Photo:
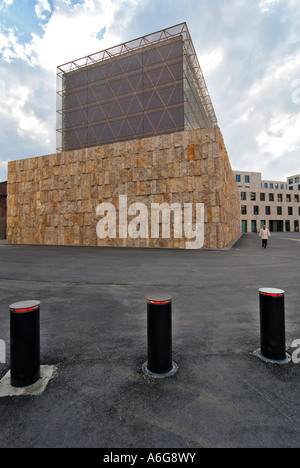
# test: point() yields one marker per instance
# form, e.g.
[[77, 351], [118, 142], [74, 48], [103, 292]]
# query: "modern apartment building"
[[271, 202], [294, 182]]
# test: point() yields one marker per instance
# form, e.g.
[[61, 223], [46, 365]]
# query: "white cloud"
[[72, 33], [211, 60], [266, 5], [2, 91], [6, 3], [296, 92], [41, 7], [282, 70], [3, 170], [282, 135], [10, 48], [28, 124]]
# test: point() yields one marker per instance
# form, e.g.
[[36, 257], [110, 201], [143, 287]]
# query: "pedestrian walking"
[[264, 234]]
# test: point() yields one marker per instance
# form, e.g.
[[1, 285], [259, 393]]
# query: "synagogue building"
[[135, 120]]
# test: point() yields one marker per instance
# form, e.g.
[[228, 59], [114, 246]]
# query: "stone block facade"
[[53, 199]]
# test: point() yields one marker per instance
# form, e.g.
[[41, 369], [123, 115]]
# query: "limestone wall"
[[52, 199]]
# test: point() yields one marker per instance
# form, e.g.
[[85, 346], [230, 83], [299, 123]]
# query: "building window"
[[297, 198], [290, 210], [243, 196], [279, 197], [296, 180], [247, 179], [279, 210], [253, 196], [271, 196], [237, 178], [265, 185], [244, 210], [255, 210], [288, 198], [262, 197], [271, 185], [268, 210], [290, 181], [282, 186]]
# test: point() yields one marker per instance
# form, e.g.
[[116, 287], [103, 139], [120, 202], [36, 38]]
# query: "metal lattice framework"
[[144, 87]]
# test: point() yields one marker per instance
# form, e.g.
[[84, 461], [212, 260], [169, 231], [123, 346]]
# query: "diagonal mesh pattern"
[[146, 87]]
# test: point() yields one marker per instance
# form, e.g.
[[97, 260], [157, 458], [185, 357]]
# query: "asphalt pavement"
[[94, 332]]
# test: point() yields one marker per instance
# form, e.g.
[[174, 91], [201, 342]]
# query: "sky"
[[248, 50]]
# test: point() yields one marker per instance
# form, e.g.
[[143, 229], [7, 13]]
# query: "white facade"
[[273, 203]]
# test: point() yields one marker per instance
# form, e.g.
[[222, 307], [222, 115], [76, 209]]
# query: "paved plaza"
[[94, 332]]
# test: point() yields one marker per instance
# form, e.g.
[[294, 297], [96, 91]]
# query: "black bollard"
[[159, 340], [272, 326], [24, 343]]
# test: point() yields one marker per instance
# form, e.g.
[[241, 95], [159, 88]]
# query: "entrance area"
[[276, 226], [244, 226]]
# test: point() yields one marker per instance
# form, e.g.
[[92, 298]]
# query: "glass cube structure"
[[148, 86]]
